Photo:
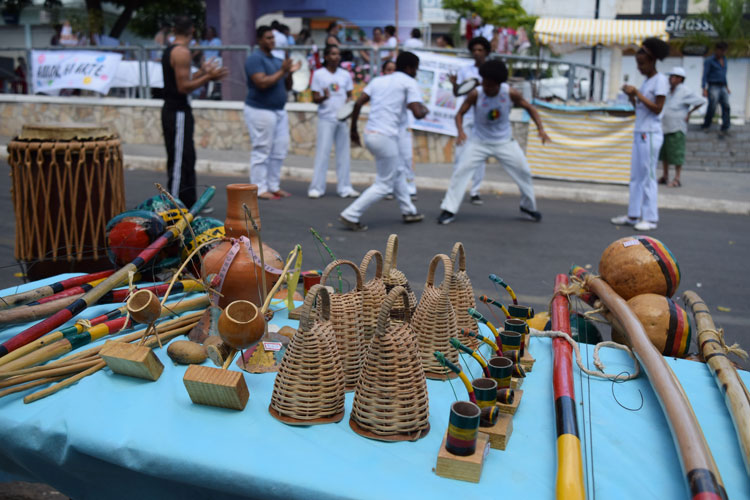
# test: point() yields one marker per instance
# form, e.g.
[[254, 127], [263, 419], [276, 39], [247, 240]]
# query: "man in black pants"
[[176, 116]]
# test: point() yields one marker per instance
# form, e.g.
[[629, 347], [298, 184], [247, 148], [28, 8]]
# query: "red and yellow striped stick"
[[47, 290]]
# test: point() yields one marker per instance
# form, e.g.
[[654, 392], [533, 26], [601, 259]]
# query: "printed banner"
[[587, 145], [61, 69], [437, 92]]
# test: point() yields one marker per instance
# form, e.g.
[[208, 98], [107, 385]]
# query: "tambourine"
[[301, 77], [467, 86], [345, 111]]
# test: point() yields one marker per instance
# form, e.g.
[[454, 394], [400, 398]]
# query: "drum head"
[[467, 86], [301, 77], [345, 111]]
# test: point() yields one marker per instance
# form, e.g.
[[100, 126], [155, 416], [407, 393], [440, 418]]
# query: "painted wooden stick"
[[52, 372], [34, 332], [724, 372], [471, 352], [35, 383], [569, 480], [74, 290], [701, 474], [47, 290]]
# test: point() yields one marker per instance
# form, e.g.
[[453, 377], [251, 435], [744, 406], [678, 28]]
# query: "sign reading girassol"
[[62, 69]]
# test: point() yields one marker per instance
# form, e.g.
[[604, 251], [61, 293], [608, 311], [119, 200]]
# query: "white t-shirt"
[[413, 43], [338, 84], [391, 43], [281, 41], [645, 119], [492, 115], [676, 107], [389, 96]]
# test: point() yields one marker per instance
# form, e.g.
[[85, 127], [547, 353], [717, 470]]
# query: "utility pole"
[[593, 56]]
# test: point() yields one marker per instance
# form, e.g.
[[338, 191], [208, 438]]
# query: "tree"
[[506, 13], [730, 22]]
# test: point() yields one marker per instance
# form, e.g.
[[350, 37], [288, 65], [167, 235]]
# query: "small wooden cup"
[[241, 324], [463, 427], [501, 370], [144, 307]]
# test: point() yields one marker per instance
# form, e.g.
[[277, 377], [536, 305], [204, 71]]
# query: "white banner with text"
[[62, 69]]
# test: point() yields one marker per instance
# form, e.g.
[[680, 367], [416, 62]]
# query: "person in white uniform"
[[405, 145], [415, 42], [648, 100], [492, 102], [331, 88], [479, 48], [389, 97]]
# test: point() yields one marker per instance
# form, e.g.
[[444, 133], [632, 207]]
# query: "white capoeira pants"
[[478, 177], [644, 191], [405, 149], [269, 135], [511, 157], [331, 132], [389, 178]]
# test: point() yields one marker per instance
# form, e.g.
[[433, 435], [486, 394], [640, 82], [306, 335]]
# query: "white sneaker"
[[351, 194], [314, 194], [644, 225], [623, 220]]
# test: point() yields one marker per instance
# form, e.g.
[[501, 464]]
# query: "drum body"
[[68, 182]]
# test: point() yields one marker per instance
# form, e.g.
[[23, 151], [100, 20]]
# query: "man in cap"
[[679, 105]]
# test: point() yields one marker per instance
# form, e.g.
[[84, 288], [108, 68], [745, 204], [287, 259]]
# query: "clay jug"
[[243, 278]]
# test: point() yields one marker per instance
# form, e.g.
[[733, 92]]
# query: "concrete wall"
[[219, 125]]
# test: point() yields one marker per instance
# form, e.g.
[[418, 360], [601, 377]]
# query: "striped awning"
[[590, 32]]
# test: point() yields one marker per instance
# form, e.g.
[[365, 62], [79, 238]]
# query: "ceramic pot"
[[241, 324], [144, 307], [463, 428]]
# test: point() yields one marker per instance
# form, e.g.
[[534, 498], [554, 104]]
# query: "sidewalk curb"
[[562, 192]]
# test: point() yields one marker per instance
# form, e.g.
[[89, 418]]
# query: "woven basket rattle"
[[348, 324], [435, 321], [390, 401], [373, 292], [393, 278], [462, 297], [309, 388]]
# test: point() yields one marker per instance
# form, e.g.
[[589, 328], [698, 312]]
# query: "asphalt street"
[[712, 249]]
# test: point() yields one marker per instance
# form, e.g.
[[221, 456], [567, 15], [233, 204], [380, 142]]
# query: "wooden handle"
[[366, 263], [391, 254], [448, 271], [342, 262], [460, 252], [385, 309], [306, 322]]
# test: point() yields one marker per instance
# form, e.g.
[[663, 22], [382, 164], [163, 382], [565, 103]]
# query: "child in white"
[[389, 97], [331, 87], [492, 102], [643, 211]]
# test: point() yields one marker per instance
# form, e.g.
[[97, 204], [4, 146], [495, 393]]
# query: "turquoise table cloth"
[[110, 436]]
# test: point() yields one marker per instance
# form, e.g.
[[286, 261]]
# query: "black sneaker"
[[352, 226], [446, 217], [477, 200], [409, 218], [531, 214]]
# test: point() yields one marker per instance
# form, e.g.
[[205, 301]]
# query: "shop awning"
[[590, 32]]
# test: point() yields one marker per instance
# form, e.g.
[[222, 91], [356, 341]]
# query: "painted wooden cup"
[[144, 307], [501, 369], [514, 356], [485, 392], [506, 396], [463, 427], [512, 340], [522, 312]]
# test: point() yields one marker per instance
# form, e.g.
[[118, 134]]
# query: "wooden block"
[[463, 468], [500, 432], [516, 383], [511, 409], [216, 387], [295, 313], [527, 361], [132, 360]]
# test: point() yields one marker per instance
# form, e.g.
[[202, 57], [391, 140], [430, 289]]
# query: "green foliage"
[[150, 18], [729, 21], [506, 13]]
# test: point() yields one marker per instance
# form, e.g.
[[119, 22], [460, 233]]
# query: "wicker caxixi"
[[462, 296], [435, 322], [390, 401], [373, 292], [309, 388], [348, 324], [393, 278]]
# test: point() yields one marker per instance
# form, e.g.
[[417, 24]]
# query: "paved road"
[[712, 248]]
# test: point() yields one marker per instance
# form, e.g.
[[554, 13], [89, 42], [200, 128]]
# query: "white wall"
[[570, 8]]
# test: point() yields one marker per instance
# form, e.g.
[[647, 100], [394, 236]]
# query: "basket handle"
[[448, 268], [385, 310], [391, 254], [341, 262], [460, 252], [366, 263], [306, 322]]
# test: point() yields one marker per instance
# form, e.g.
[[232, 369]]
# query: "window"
[[665, 7]]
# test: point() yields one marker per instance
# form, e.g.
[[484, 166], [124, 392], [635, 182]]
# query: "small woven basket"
[[393, 278], [373, 292], [390, 401], [435, 321], [309, 388], [462, 297], [348, 324]]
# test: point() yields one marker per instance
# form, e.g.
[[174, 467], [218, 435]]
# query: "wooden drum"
[[67, 183]]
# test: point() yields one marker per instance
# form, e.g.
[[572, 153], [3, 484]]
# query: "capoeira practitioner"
[[492, 136], [405, 145], [390, 96]]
